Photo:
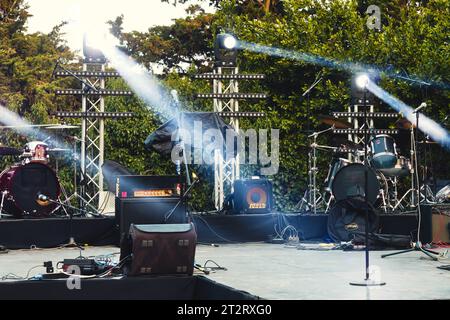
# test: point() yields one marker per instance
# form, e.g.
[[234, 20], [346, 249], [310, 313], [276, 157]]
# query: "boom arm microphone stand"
[[416, 246]]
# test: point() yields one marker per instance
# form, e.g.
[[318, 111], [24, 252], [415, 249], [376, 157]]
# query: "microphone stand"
[[416, 246], [72, 243], [183, 197], [367, 282]]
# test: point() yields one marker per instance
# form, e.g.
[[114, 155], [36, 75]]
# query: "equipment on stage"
[[347, 218], [36, 151], [21, 185], [350, 182], [252, 196], [335, 166], [443, 195], [160, 249], [151, 210], [383, 152], [149, 200], [335, 122], [135, 186]]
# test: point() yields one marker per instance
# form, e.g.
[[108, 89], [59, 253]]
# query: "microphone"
[[422, 105]]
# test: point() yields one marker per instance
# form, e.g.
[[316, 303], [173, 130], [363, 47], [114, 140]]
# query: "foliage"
[[414, 40]]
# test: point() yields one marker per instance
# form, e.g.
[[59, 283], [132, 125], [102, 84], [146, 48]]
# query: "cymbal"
[[338, 123], [62, 127], [404, 123], [341, 141], [9, 151], [58, 150]]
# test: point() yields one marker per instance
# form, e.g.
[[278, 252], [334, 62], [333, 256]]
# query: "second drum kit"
[[387, 170], [22, 183]]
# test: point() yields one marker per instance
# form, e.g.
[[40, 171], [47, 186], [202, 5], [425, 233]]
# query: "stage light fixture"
[[228, 41], [91, 51], [361, 80], [225, 51]]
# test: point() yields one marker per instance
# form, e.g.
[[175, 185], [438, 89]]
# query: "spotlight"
[[359, 88], [362, 80], [228, 41], [225, 50], [91, 50]]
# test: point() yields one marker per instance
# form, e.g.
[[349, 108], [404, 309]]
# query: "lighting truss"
[[230, 76], [369, 114], [99, 92], [363, 131], [241, 114], [97, 74], [77, 114], [227, 96]]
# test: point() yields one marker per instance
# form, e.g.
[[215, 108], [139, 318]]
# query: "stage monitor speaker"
[[148, 211], [160, 249], [435, 223], [252, 196]]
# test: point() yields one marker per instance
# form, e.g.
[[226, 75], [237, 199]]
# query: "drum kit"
[[386, 169], [28, 186]]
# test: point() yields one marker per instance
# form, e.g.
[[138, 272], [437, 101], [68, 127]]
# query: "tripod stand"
[[416, 246], [312, 197]]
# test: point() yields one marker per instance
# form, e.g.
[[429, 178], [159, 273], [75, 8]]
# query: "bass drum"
[[349, 182], [21, 184]]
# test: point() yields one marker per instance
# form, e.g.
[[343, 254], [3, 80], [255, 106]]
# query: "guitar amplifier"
[[161, 249], [149, 186], [252, 196], [148, 200]]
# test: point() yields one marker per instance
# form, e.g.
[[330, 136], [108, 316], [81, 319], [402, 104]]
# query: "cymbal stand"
[[4, 194], [310, 197], [413, 190]]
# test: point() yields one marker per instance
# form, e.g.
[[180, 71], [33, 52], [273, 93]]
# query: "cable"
[[16, 277], [209, 227]]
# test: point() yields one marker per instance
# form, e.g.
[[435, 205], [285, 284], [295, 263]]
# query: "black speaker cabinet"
[[252, 196], [148, 211]]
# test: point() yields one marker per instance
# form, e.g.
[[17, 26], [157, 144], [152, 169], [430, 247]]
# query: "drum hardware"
[[443, 195], [412, 191], [310, 198]]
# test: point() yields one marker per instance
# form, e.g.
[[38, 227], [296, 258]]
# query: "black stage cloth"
[[161, 139], [211, 228], [139, 288]]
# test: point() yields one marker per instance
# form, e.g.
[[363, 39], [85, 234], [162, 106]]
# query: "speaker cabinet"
[[252, 196], [435, 223], [148, 211], [161, 249]]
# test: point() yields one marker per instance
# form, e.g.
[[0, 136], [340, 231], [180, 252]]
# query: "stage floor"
[[273, 271]]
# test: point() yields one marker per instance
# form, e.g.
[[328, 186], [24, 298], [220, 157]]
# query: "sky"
[[84, 15]]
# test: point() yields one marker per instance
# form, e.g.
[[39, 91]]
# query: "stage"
[[211, 228], [267, 271]]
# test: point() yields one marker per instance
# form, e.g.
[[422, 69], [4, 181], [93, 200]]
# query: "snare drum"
[[36, 151], [335, 166], [383, 152]]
